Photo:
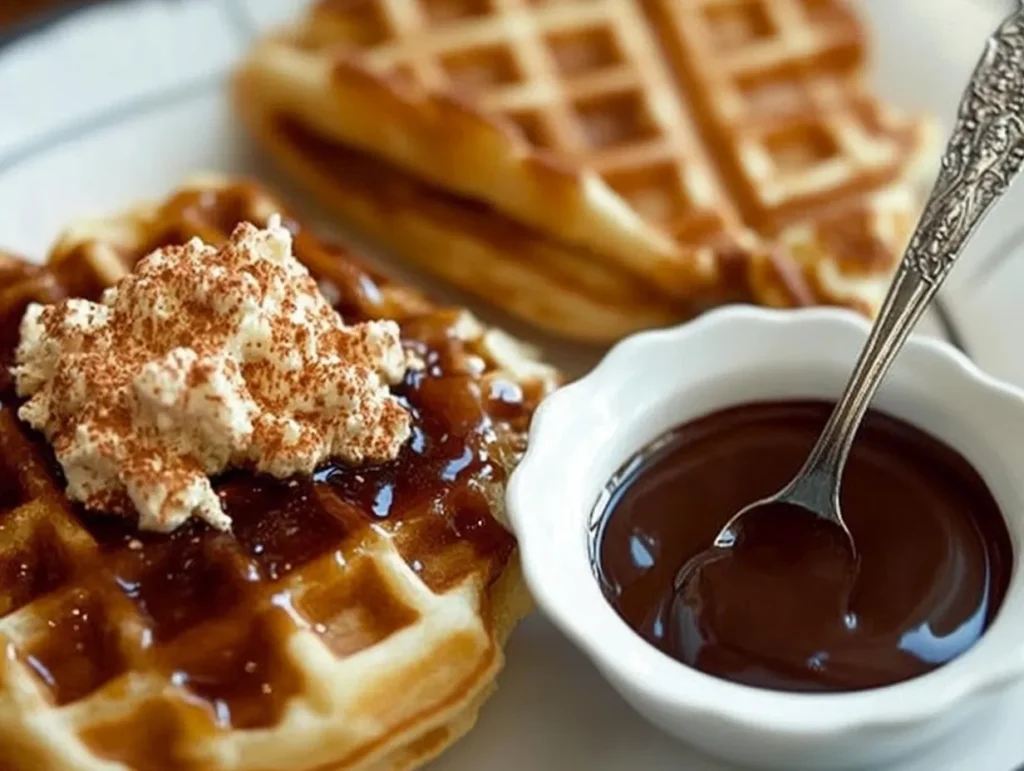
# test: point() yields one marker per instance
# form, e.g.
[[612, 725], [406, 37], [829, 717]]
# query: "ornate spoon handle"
[[983, 156]]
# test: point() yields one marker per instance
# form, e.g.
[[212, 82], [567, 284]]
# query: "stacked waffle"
[[350, 621], [599, 166]]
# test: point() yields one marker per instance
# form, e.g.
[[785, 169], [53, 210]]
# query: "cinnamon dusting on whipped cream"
[[200, 360]]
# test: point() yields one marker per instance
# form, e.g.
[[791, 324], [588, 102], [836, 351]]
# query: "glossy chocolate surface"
[[786, 608]]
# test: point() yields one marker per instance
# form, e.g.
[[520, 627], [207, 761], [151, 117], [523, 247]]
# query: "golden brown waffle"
[[351, 621], [779, 89], [596, 166]]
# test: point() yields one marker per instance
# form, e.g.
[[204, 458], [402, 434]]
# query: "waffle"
[[597, 166], [351, 621]]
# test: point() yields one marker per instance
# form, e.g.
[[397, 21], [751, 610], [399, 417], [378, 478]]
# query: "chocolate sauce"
[[787, 608]]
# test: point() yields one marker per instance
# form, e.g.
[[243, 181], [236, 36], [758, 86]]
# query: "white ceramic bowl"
[[657, 380]]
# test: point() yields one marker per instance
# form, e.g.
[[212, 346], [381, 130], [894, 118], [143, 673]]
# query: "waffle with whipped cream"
[[598, 166], [349, 619]]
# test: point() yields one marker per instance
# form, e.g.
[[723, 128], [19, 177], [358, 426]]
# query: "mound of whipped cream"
[[200, 360]]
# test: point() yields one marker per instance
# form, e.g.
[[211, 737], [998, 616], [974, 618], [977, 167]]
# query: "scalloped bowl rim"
[[651, 675]]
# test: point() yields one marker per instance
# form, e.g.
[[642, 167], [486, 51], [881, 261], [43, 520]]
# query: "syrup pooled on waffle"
[[352, 620], [599, 165]]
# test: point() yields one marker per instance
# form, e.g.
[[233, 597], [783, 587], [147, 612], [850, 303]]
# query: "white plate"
[[123, 101]]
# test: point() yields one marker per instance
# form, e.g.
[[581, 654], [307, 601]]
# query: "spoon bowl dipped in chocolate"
[[789, 561]]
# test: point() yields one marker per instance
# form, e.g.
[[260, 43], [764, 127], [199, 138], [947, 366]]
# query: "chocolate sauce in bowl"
[[787, 609]]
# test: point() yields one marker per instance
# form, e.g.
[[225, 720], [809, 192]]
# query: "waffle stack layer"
[[599, 166], [351, 621]]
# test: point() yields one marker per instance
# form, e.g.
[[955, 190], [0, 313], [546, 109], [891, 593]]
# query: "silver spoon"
[[984, 154]]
